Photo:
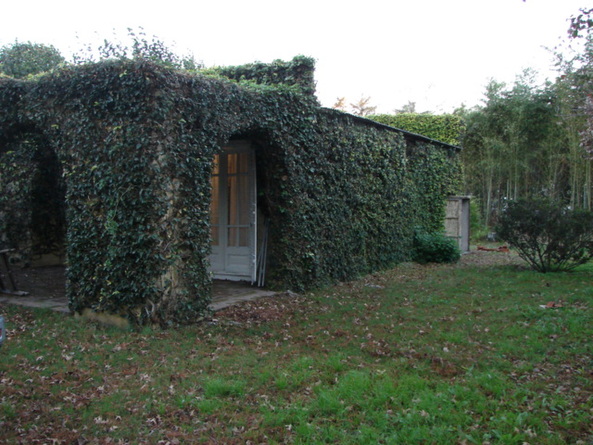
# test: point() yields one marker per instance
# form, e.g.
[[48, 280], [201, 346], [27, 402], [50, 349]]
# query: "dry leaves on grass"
[[263, 310]]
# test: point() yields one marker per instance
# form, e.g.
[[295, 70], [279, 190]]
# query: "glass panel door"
[[233, 213]]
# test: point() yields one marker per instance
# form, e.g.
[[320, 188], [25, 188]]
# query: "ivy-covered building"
[[155, 180]]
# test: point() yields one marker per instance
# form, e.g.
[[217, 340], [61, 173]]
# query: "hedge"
[[447, 128]]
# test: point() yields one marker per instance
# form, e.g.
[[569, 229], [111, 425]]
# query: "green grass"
[[419, 354]]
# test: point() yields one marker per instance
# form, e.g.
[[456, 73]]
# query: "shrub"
[[435, 248], [548, 235], [20, 60]]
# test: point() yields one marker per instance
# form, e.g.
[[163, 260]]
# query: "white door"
[[233, 214]]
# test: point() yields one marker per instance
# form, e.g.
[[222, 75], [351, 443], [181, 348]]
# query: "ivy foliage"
[[135, 142], [299, 72], [447, 128]]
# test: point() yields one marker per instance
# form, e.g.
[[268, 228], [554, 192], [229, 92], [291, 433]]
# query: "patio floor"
[[46, 288]]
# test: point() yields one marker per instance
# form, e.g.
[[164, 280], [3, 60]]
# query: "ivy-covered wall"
[[135, 143]]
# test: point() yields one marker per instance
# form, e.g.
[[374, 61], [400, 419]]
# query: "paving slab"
[[55, 304], [224, 293], [227, 293]]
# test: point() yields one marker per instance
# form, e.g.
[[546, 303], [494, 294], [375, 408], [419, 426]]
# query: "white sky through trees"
[[438, 54]]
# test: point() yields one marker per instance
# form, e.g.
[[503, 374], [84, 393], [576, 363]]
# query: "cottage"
[[155, 181]]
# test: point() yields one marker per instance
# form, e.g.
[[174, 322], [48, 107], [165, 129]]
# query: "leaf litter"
[[67, 393]]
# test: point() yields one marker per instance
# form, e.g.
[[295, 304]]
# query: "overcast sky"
[[437, 53]]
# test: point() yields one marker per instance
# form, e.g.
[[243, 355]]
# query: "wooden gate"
[[457, 220]]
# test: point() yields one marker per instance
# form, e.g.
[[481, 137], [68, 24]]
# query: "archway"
[[32, 212], [233, 213], [241, 209]]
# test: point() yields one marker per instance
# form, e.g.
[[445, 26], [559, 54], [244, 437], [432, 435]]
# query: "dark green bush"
[[548, 235], [435, 248]]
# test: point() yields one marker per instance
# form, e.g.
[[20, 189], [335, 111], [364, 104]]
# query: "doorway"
[[233, 213]]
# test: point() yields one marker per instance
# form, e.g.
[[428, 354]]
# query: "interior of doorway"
[[35, 239], [233, 213]]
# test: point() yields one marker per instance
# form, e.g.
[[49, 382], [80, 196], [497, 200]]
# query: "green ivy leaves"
[[137, 141]]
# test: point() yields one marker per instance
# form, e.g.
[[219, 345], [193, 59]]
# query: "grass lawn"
[[457, 354]]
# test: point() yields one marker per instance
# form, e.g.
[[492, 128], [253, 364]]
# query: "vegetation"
[[419, 354], [528, 139], [435, 248], [362, 107], [446, 128], [298, 72], [136, 45], [135, 143], [531, 139], [546, 234], [581, 23], [416, 354], [515, 146], [20, 60], [408, 108]]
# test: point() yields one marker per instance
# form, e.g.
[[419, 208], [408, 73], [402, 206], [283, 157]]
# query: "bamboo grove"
[[533, 140]]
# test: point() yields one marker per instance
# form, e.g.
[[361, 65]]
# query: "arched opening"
[[48, 206], [233, 213], [240, 213], [32, 212]]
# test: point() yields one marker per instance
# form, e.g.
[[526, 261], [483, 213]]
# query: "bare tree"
[[362, 107], [340, 104]]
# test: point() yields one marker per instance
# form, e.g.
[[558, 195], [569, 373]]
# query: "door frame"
[[222, 252]]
